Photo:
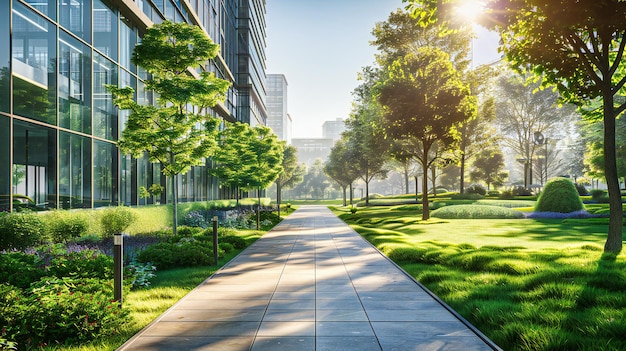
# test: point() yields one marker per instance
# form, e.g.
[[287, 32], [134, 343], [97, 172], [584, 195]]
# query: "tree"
[[172, 133], [291, 175], [579, 50], [594, 155], [402, 156], [477, 133], [364, 133], [315, 181], [340, 167], [489, 167], [424, 100], [524, 109], [233, 157], [266, 164]]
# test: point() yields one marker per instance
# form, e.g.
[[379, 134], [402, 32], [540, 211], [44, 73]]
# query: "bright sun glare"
[[470, 10]]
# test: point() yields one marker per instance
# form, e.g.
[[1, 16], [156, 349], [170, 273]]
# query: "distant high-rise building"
[[310, 149], [333, 129], [277, 117]]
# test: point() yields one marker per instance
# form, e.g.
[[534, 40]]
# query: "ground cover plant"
[[528, 284]]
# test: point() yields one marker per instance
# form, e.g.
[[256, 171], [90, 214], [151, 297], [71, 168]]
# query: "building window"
[[5, 57], [105, 172], [33, 59], [75, 16], [105, 28], [5, 171], [34, 164], [74, 84], [104, 113], [74, 171], [48, 7]]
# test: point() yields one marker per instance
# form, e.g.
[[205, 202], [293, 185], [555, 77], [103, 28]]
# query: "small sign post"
[[118, 274]]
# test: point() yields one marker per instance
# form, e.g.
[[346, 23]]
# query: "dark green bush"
[[181, 254], [493, 193], [21, 230], [20, 269], [521, 191], [466, 196], [238, 243], [66, 311], [83, 264], [559, 195], [507, 195], [596, 194], [476, 189], [115, 220], [226, 247], [187, 231], [64, 225], [582, 190]]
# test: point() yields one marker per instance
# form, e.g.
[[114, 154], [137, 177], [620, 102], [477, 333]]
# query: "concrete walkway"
[[312, 283]]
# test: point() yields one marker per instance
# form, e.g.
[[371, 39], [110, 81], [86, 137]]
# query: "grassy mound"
[[476, 212]]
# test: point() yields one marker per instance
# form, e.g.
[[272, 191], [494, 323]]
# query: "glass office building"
[[58, 125]]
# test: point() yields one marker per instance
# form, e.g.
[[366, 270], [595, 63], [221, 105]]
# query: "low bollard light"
[[215, 248], [118, 273]]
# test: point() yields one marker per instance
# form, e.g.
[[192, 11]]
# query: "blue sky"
[[321, 46]]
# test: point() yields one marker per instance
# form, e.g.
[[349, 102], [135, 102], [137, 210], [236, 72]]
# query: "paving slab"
[[312, 283]]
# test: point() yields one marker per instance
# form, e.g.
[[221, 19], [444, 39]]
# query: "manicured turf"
[[527, 284]]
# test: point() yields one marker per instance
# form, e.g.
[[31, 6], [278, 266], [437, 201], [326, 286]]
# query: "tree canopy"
[[424, 100], [170, 131]]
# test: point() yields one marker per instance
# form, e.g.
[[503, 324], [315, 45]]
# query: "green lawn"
[[527, 284]]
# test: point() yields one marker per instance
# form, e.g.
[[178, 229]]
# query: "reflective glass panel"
[[34, 165], [74, 84], [5, 171], [75, 16], [33, 59], [5, 89], [104, 113], [74, 171], [128, 40], [105, 28], [104, 174], [47, 7]]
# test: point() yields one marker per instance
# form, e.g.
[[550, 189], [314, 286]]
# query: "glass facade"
[[58, 124]]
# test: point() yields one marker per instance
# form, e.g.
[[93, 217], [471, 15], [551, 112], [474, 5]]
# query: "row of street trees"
[[577, 49], [177, 131], [423, 103]]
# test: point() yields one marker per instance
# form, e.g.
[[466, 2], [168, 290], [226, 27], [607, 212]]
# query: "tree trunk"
[[175, 202], [258, 208], [417, 199], [433, 172], [462, 175], [406, 179], [614, 238], [425, 209], [367, 198], [278, 199], [351, 194]]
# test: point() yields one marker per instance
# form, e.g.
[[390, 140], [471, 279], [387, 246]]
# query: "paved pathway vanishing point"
[[312, 283]]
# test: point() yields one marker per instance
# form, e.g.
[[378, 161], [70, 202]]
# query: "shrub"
[[596, 194], [507, 195], [521, 191], [493, 193], [195, 219], [182, 254], [63, 225], [21, 230], [559, 195], [138, 274], [476, 189], [115, 220], [20, 269], [226, 247], [582, 190], [466, 196], [476, 211], [66, 311], [187, 231], [236, 241]]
